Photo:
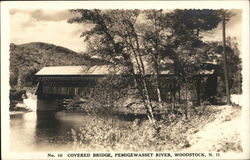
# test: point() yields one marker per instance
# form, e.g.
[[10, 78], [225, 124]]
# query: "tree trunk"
[[173, 100], [19, 81], [225, 60], [140, 66], [158, 90], [157, 61], [179, 94], [141, 69], [158, 93], [198, 90], [150, 107], [157, 79]]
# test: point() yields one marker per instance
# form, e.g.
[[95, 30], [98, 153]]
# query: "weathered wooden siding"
[[51, 87]]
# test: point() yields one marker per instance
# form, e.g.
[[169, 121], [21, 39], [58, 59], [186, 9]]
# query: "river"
[[49, 131]]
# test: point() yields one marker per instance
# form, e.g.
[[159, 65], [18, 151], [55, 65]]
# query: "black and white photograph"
[[125, 82]]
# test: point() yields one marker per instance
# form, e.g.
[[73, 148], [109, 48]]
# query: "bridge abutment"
[[47, 105]]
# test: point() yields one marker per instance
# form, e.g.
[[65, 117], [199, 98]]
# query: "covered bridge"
[[67, 81], [58, 82]]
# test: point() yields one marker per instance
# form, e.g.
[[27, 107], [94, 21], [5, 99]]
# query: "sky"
[[50, 26]]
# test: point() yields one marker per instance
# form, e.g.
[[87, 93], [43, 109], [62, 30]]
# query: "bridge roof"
[[99, 70], [77, 70]]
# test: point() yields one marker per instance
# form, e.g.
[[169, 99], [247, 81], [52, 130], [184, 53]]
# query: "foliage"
[[142, 40], [229, 144], [114, 35], [110, 89], [16, 94], [190, 21], [214, 53], [107, 135], [169, 134], [104, 97]]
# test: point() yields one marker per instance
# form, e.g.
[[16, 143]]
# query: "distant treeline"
[[27, 59]]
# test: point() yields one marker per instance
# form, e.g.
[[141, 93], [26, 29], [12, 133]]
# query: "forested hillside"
[[27, 59]]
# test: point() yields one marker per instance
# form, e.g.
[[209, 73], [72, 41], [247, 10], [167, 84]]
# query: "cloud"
[[51, 15], [22, 19], [45, 14], [48, 26]]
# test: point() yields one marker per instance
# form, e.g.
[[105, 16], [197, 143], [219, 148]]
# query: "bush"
[[229, 144], [87, 105], [109, 89], [168, 134], [108, 135], [16, 95], [107, 95]]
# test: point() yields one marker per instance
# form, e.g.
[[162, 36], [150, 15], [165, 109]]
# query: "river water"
[[49, 131]]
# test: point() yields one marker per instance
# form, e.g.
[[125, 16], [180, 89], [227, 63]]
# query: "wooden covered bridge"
[[59, 82]]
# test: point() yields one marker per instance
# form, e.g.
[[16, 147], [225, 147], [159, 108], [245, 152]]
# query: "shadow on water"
[[131, 117], [50, 129], [16, 116]]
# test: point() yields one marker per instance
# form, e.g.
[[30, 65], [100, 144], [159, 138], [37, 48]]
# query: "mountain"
[[27, 59]]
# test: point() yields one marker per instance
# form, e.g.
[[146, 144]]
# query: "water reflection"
[[22, 131], [47, 128], [50, 131], [39, 131]]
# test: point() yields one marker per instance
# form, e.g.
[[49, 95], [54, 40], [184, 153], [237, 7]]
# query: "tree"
[[214, 52], [185, 46], [116, 40], [153, 43], [141, 41], [193, 21], [225, 16]]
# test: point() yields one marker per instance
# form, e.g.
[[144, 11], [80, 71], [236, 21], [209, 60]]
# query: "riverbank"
[[220, 135], [20, 107], [216, 130], [211, 128]]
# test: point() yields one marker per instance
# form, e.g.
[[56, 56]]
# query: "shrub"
[[229, 144], [16, 94], [135, 136], [168, 134], [108, 135]]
